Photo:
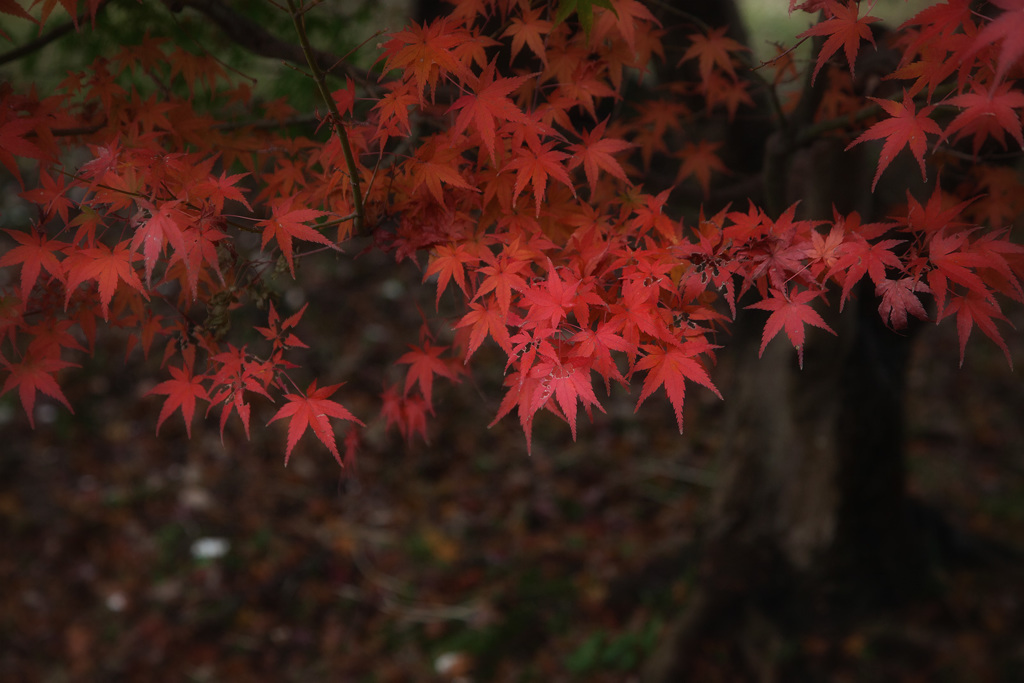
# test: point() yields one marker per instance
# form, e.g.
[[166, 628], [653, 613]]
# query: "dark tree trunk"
[[812, 514], [811, 520]]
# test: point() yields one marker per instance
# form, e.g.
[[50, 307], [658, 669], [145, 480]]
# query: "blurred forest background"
[[128, 556]]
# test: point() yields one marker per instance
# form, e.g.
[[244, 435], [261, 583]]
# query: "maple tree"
[[566, 176], [504, 148]]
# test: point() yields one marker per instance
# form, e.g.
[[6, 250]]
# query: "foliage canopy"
[[512, 149]]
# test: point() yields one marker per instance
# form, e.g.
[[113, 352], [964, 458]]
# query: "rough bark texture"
[[812, 516], [812, 513]]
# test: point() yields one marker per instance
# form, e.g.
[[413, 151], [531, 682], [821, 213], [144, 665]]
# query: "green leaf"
[[584, 10]]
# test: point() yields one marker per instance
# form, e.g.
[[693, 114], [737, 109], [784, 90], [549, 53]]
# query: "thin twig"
[[339, 126]]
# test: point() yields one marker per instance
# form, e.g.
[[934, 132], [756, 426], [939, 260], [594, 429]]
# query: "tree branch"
[[250, 35], [52, 35], [339, 126]]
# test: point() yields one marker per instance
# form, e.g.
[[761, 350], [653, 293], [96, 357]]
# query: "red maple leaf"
[[699, 160], [711, 50], [52, 195], [597, 345], [953, 260], [1008, 27], [163, 226], [489, 102], [312, 410], [566, 384], [534, 165], [974, 308], [791, 313], [485, 319], [181, 392], [239, 372], [907, 128], [394, 111], [844, 30], [987, 114], [15, 10], [528, 31], [502, 277], [596, 152], [425, 362], [448, 262], [858, 257], [407, 414], [898, 299], [437, 164], [426, 53], [809, 5], [937, 22], [669, 368], [201, 238], [936, 215], [108, 267], [287, 223], [36, 252], [218, 190], [551, 300], [278, 332], [34, 374], [13, 143]]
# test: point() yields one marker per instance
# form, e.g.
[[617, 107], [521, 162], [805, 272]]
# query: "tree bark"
[[811, 520], [812, 513]]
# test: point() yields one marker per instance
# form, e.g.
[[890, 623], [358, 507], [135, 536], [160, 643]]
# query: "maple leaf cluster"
[[497, 148]]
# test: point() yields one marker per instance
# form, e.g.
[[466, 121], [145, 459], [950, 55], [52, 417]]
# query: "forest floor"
[[129, 556]]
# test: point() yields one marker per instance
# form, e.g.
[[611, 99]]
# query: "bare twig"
[[339, 126], [253, 37]]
